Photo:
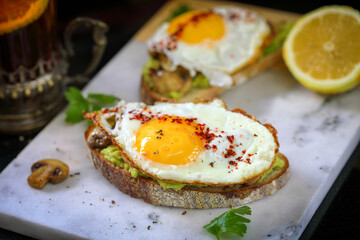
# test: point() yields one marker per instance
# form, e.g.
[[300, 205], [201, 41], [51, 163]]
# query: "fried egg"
[[215, 42], [192, 143]]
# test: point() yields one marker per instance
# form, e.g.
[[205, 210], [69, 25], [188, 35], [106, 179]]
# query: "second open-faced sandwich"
[[201, 53]]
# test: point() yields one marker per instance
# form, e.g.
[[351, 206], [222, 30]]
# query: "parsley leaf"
[[78, 103], [277, 41], [230, 221]]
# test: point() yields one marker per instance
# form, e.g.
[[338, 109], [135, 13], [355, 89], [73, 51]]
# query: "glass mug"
[[33, 68]]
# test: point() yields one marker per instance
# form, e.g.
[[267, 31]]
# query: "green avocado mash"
[[279, 39], [175, 95], [279, 163], [173, 185], [113, 154], [152, 63], [200, 81]]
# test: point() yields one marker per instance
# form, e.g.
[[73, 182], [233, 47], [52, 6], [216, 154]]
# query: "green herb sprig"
[[78, 103], [183, 8], [277, 41], [230, 221]]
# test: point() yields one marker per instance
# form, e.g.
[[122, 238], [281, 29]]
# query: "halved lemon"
[[15, 14], [322, 50]]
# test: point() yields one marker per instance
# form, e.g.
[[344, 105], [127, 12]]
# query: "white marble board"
[[317, 133]]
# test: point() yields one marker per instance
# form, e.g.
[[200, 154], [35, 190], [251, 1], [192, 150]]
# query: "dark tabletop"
[[338, 215]]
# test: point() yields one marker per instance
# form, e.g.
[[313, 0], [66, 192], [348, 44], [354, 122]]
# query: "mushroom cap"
[[47, 170]]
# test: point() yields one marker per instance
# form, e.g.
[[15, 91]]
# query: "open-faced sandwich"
[[201, 53], [189, 155]]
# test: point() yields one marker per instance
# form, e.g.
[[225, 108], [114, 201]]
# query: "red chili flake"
[[234, 16], [141, 117], [106, 110], [190, 120], [212, 164], [177, 120], [204, 133], [231, 146], [255, 135], [240, 159], [214, 147], [233, 163], [117, 119], [229, 153], [230, 138], [207, 146]]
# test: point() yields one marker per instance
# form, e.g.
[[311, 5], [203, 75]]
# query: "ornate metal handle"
[[99, 37]]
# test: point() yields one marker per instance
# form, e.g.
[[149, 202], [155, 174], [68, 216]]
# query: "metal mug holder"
[[27, 105]]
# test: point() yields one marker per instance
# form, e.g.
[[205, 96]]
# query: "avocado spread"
[[113, 154], [199, 81], [150, 64], [279, 163]]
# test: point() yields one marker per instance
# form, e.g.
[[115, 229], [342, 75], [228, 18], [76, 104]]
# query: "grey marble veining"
[[317, 133]]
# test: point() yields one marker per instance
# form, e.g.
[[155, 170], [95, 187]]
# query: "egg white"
[[210, 167], [242, 41]]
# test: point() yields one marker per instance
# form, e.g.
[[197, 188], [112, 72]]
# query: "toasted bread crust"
[[149, 96], [188, 197]]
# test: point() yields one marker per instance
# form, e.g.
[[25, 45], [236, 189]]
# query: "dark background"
[[338, 216]]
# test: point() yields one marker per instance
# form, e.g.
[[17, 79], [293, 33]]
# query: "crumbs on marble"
[[154, 217], [16, 165], [285, 232], [183, 213], [74, 174], [58, 150], [133, 226], [325, 168]]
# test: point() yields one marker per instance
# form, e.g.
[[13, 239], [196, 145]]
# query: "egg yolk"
[[168, 141], [197, 26]]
